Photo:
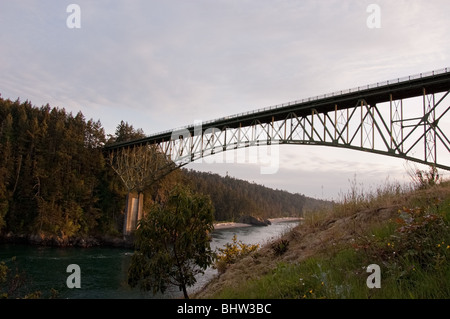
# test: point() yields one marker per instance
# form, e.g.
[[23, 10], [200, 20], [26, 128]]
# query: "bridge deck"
[[401, 88]]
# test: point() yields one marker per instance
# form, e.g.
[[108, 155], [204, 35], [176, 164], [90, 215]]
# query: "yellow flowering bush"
[[232, 252]]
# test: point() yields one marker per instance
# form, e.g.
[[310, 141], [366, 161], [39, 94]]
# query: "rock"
[[255, 221], [36, 239], [40, 239]]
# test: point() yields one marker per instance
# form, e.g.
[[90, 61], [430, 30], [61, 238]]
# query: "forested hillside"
[[233, 197], [55, 180], [53, 176]]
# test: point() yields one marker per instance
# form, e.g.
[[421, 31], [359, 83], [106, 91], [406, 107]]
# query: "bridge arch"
[[406, 118]]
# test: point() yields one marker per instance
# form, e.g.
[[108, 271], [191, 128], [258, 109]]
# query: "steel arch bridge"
[[406, 118]]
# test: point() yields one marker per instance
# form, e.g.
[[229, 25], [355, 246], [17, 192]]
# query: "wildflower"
[[448, 246], [439, 245], [311, 291]]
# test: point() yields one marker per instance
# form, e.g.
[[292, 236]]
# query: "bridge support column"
[[133, 212]]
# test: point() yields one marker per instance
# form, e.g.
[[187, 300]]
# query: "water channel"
[[104, 269]]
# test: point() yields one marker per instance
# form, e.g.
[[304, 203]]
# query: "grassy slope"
[[405, 233]]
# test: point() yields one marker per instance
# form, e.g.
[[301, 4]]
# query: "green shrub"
[[280, 247]]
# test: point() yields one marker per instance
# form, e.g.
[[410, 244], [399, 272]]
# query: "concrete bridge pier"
[[133, 212]]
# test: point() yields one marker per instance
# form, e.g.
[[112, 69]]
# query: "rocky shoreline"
[[116, 241], [224, 225], [254, 221], [79, 241]]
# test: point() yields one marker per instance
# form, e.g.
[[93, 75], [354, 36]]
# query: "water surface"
[[104, 269]]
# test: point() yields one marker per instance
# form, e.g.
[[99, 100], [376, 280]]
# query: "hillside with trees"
[[53, 176], [56, 182], [233, 197]]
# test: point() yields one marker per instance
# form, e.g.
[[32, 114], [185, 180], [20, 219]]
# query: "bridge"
[[373, 118], [406, 118]]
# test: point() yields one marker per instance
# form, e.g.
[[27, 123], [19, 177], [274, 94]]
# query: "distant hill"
[[233, 197]]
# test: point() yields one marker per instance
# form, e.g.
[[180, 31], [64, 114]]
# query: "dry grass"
[[326, 232]]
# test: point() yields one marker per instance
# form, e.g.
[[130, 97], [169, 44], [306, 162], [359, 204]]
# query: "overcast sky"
[[163, 64]]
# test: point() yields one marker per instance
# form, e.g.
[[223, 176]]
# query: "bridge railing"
[[317, 97]]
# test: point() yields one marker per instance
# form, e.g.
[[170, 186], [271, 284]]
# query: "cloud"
[[163, 64], [208, 59]]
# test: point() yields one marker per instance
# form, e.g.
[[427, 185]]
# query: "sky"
[[159, 65]]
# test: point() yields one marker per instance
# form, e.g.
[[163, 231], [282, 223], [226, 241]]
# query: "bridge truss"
[[407, 118]]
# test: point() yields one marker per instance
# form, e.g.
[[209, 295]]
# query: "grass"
[[410, 243], [309, 279], [388, 195]]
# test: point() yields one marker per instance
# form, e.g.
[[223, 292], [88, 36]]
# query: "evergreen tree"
[[52, 172], [126, 132], [172, 243]]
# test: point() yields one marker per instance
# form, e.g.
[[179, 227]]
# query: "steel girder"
[[377, 129], [408, 118]]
